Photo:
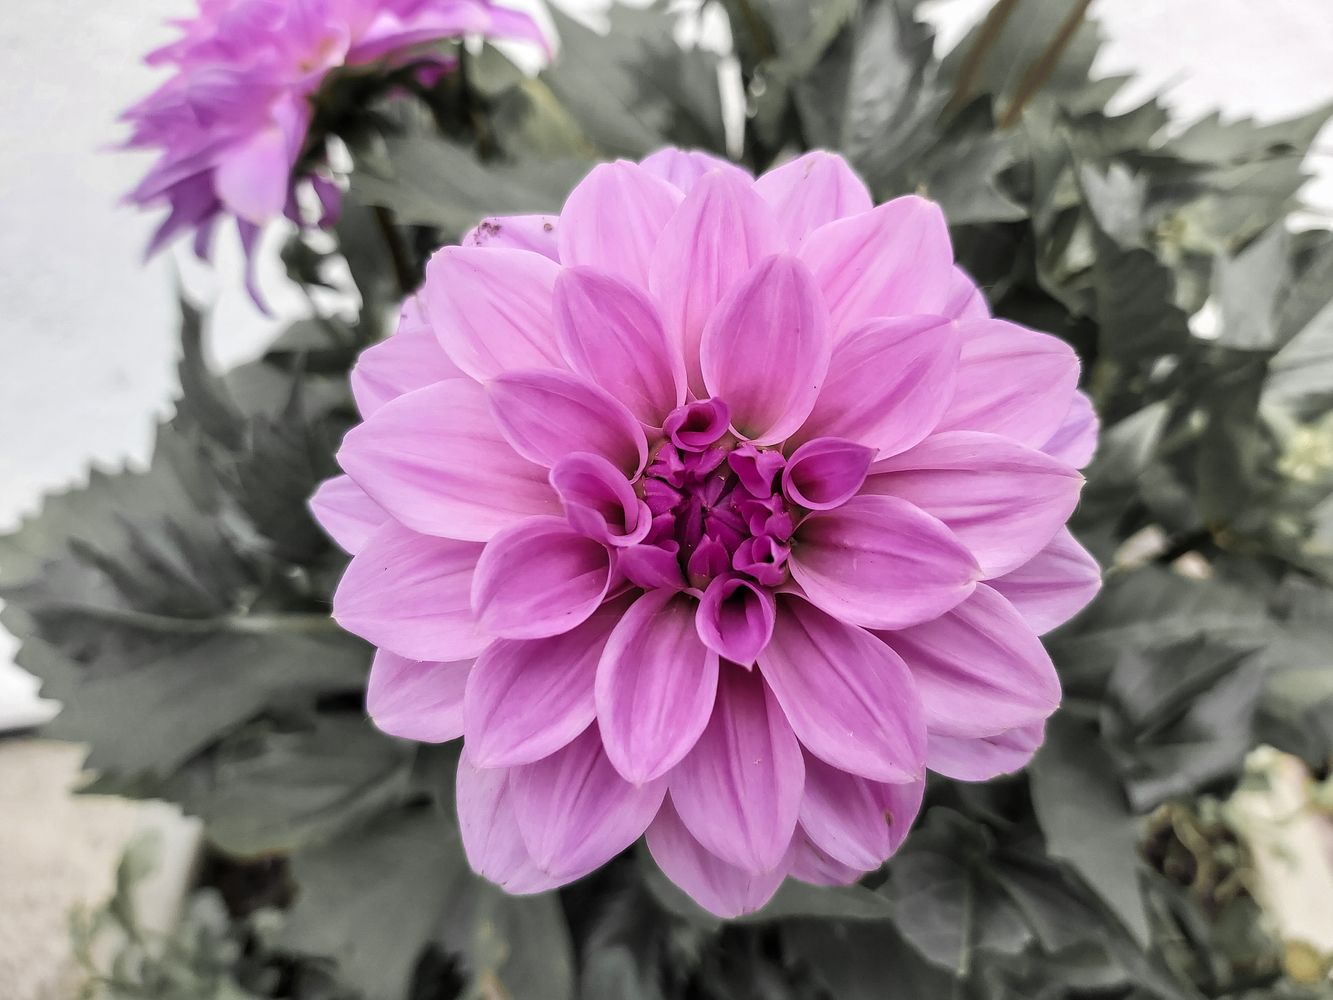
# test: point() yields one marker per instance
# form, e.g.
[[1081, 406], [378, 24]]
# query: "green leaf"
[[858, 961], [1246, 289]]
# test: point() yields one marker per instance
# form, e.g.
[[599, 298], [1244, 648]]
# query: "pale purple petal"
[[981, 653], [686, 167], [656, 685], [736, 618], [766, 349], [724, 890], [813, 190], [721, 230], [1012, 381], [516, 232], [489, 830], [491, 309], [965, 300], [1054, 585], [1075, 440], [857, 821], [985, 757], [739, 790], [539, 578], [411, 594], [599, 501], [613, 219], [826, 472], [546, 415], [1000, 499], [895, 260], [575, 812], [410, 359], [252, 179], [850, 704], [437, 462], [881, 562], [814, 866], [890, 382], [343, 509], [611, 334], [528, 698], [417, 700]]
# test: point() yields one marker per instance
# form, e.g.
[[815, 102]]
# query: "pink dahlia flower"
[[232, 121], [716, 509]]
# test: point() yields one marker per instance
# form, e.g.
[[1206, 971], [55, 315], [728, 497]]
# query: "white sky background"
[[88, 331]]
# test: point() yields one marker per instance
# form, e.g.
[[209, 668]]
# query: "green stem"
[[1040, 71], [970, 71], [402, 267]]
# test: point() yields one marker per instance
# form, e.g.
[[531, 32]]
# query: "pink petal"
[[881, 562], [252, 179], [599, 501], [343, 509], [516, 232], [610, 333], [1001, 500], [895, 260], [539, 578], [546, 415], [813, 190], [528, 698], [739, 790], [1054, 585], [736, 618], [410, 593], [850, 705], [889, 383], [491, 309], [575, 812], [1012, 381], [722, 889], [489, 830], [814, 866], [766, 349], [825, 473], [417, 700], [850, 818], [980, 669], [984, 758], [1075, 440], [721, 230], [411, 359], [656, 685], [613, 219], [686, 167], [965, 300], [437, 462]]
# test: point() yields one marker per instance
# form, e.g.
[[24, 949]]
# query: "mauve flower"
[[717, 509], [232, 121]]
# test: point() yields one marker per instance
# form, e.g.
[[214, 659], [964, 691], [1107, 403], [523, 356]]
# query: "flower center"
[[715, 501]]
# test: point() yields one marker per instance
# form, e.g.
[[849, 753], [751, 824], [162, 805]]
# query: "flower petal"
[[815, 866], [610, 333], [1001, 500], [410, 359], [516, 232], [1075, 440], [491, 308], [736, 618], [410, 593], [528, 698], [812, 190], [343, 509], [656, 685], [856, 821], [850, 705], [722, 889], [539, 578], [719, 232], [253, 177], [1054, 585], [417, 700], [686, 167], [881, 562], [599, 501], [489, 830], [575, 812], [546, 415], [890, 382], [825, 473], [766, 349], [895, 260], [612, 220], [739, 790], [984, 758], [1012, 381], [980, 669], [437, 462], [965, 300]]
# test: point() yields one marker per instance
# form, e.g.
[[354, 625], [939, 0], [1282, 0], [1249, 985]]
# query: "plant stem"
[[402, 267], [970, 71], [1040, 71]]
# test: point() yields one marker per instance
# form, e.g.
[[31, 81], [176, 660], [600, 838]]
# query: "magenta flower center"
[[715, 501]]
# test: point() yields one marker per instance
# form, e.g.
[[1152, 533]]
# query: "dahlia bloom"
[[232, 122], [716, 509]]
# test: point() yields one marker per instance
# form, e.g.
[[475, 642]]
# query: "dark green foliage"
[[181, 612]]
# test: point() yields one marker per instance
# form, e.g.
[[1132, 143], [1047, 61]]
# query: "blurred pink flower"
[[717, 509], [232, 121]]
